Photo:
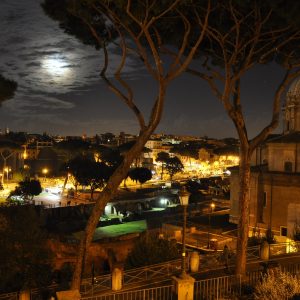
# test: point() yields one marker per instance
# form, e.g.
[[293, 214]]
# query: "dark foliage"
[[70, 16], [7, 88], [88, 172], [72, 148], [174, 166], [149, 249], [24, 257], [27, 189], [189, 150], [140, 174]]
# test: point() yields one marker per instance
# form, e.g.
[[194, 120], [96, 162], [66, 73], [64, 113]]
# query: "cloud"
[[40, 104], [42, 40]]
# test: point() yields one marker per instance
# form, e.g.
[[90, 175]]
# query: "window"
[[265, 199], [288, 166], [283, 231]]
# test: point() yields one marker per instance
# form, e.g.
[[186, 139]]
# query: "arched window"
[[288, 166]]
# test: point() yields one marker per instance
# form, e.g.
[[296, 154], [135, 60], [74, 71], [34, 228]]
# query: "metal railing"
[[253, 277], [157, 293], [43, 293], [134, 276], [9, 296], [294, 269], [253, 252], [100, 283], [154, 271], [284, 248], [217, 288]]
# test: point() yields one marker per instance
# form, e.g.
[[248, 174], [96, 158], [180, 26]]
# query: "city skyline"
[[60, 90]]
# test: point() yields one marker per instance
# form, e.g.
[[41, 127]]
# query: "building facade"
[[275, 177]]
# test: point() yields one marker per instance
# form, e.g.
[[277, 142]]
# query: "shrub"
[[277, 285], [149, 249]]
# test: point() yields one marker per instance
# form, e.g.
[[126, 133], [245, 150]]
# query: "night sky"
[[60, 91]]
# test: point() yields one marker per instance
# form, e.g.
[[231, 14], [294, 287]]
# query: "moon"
[[56, 66]]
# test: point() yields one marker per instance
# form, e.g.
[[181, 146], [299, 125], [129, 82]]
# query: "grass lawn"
[[118, 230]]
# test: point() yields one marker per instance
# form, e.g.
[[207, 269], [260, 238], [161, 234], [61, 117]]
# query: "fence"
[[213, 288], [100, 283], [150, 272], [157, 293], [10, 296], [134, 276], [253, 252], [217, 288], [208, 289], [294, 269], [284, 248], [253, 277], [43, 293]]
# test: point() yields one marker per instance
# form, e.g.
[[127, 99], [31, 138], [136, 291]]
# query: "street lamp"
[[45, 172], [7, 170], [212, 207], [184, 201]]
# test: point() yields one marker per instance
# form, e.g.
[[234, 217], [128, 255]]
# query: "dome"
[[294, 90]]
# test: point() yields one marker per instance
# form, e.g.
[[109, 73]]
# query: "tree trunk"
[[107, 193], [244, 195], [3, 171], [65, 183]]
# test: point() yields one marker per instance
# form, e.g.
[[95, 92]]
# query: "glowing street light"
[[45, 172], [184, 201], [212, 207], [7, 170]]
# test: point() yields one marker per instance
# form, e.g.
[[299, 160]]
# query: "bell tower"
[[291, 109]]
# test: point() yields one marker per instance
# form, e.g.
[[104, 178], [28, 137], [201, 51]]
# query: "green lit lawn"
[[120, 229]]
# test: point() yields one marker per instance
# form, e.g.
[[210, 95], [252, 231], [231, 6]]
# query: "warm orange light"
[[45, 171]]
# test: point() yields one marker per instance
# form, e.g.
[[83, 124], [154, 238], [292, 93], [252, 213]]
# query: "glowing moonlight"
[[55, 66]]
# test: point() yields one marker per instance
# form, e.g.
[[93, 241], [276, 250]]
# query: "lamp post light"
[[45, 172], [184, 201], [212, 207], [7, 170]]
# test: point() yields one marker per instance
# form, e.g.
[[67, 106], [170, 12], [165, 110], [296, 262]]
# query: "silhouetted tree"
[[140, 174], [189, 151], [8, 149], [7, 88], [162, 157], [138, 30], [27, 189], [174, 166], [24, 256], [149, 249], [242, 35], [87, 172], [68, 150]]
